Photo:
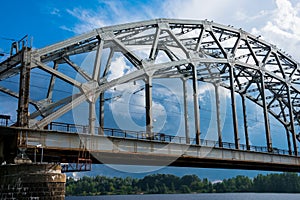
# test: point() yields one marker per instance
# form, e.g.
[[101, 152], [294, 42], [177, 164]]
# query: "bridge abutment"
[[32, 181]]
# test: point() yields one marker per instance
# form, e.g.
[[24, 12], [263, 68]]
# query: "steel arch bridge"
[[193, 50]]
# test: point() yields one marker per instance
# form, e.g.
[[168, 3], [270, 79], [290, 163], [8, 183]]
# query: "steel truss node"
[[195, 50]]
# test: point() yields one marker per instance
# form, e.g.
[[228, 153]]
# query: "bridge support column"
[[23, 119], [245, 122], [32, 181], [148, 96], [233, 108], [196, 105], [186, 120], [266, 115], [216, 86], [292, 125]]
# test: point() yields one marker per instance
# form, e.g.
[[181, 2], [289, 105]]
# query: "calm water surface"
[[228, 196]]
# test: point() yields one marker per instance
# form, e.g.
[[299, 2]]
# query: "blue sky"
[[51, 21]]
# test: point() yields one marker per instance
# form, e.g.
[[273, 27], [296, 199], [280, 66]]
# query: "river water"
[[226, 196]]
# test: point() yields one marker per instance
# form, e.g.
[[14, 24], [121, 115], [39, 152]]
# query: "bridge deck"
[[129, 149]]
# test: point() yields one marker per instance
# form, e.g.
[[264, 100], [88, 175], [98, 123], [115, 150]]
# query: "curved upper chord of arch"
[[170, 48]]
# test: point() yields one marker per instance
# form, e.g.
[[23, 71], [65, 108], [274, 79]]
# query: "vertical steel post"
[[233, 108], [101, 113], [186, 120], [34, 158], [148, 99], [266, 114], [196, 105], [292, 125], [102, 100], [92, 117], [218, 115], [42, 154], [96, 76], [288, 140], [24, 84], [245, 122], [287, 131]]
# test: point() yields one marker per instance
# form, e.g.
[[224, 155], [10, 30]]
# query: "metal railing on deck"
[[159, 137], [4, 120]]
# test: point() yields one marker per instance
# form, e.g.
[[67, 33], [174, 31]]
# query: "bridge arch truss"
[[195, 50]]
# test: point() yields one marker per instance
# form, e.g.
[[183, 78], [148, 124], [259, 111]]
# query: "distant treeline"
[[171, 184]]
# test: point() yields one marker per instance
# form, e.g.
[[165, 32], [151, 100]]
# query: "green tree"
[[185, 189], [166, 183]]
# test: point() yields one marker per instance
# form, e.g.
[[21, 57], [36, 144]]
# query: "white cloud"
[[287, 16], [195, 9], [55, 11], [277, 21], [118, 68], [88, 20], [107, 13], [64, 27], [229, 12], [242, 16], [282, 28], [131, 106]]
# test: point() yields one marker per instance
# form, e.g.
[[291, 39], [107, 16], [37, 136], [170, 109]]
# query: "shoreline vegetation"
[[171, 184]]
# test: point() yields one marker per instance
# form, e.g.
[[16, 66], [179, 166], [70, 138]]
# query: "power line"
[[40, 87], [8, 39], [176, 103], [205, 109]]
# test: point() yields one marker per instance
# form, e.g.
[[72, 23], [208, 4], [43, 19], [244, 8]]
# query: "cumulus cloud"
[[118, 68], [237, 13], [131, 106], [107, 13], [287, 17], [195, 9], [282, 28], [88, 20]]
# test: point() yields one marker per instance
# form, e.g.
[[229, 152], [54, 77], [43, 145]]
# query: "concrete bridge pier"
[[32, 181]]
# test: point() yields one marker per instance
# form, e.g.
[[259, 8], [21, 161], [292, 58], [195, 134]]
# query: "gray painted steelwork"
[[136, 149], [209, 52]]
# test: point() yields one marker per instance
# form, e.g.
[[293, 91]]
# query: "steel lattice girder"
[[213, 49]]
